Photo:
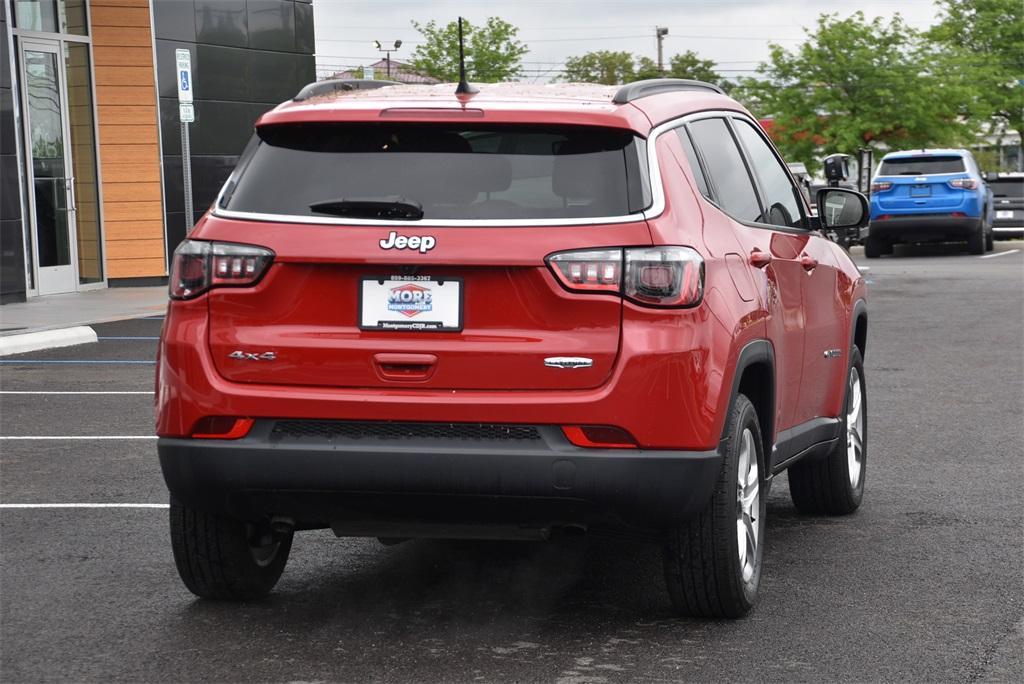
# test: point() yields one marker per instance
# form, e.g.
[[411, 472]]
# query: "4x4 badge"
[[252, 356], [423, 243]]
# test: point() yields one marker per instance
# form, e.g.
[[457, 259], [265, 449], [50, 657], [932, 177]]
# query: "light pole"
[[660, 32], [387, 53]]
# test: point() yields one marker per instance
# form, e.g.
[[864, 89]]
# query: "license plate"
[[1004, 214], [415, 303], [920, 190]]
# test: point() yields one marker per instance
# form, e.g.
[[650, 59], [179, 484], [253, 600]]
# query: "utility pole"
[[660, 32]]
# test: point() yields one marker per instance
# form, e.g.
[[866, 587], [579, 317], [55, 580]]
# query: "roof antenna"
[[463, 88]]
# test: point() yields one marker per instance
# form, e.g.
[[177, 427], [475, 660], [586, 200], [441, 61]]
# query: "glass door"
[[51, 195]]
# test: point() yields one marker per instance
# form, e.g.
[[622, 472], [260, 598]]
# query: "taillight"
[[664, 276], [198, 266], [652, 276], [880, 186], [590, 271], [963, 183]]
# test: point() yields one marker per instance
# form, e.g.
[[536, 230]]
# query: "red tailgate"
[[515, 314]]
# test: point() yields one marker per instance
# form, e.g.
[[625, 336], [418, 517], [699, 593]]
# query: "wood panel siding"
[[129, 138]]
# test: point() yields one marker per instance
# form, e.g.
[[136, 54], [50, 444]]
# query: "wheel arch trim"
[[859, 313], [753, 353]]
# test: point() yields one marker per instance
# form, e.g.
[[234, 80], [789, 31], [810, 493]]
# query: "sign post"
[[187, 114], [865, 160]]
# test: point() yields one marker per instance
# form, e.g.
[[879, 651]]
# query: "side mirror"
[[842, 210]]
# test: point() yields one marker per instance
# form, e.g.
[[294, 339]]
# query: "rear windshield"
[[440, 172], [921, 166], [1008, 187]]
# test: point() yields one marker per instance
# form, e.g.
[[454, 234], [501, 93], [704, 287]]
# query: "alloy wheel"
[[748, 508], [855, 430]]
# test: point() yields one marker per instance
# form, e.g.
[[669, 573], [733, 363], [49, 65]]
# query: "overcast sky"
[[733, 33]]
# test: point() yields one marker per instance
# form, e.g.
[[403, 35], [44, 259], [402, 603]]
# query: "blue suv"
[[929, 196]]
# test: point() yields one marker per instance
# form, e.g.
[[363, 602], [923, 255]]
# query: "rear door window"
[[725, 166], [921, 166], [447, 171], [782, 208]]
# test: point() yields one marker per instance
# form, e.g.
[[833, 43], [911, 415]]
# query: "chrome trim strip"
[[334, 221], [568, 362]]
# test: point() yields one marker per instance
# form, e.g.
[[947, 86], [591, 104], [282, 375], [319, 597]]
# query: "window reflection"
[[83, 163], [47, 145], [51, 16]]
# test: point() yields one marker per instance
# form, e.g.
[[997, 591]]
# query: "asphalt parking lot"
[[923, 583]]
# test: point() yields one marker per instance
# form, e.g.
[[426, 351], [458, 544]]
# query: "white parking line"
[[999, 254], [68, 392], [85, 505], [59, 437]]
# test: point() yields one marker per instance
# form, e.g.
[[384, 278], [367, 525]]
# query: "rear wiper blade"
[[400, 209]]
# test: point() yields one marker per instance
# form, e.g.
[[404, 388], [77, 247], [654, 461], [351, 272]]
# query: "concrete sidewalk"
[[81, 308]]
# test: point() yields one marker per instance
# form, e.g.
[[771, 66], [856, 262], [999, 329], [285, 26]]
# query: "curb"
[[46, 339]]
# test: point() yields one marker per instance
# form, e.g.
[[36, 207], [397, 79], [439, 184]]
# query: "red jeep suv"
[[412, 313]]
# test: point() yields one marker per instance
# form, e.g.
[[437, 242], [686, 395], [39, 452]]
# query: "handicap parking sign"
[[184, 61]]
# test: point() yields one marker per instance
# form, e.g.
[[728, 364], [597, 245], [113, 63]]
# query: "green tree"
[[493, 51], [984, 40], [602, 66], [854, 83], [689, 65], [613, 68]]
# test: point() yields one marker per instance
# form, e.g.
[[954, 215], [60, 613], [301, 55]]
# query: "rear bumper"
[[543, 481], [1007, 229], [924, 228]]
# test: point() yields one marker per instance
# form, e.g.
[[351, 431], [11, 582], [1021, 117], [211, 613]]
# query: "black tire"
[[874, 248], [990, 242], [823, 485], [703, 569], [976, 241], [216, 560]]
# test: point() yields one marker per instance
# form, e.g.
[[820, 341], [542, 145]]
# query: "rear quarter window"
[[452, 172]]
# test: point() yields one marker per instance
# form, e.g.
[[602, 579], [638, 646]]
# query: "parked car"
[[1008, 201], [502, 315], [803, 179], [929, 196]]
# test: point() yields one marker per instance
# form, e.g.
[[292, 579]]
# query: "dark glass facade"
[[12, 245], [247, 57]]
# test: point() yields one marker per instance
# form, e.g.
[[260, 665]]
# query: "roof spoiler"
[[656, 86], [338, 85]]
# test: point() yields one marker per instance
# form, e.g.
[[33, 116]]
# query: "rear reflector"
[[599, 437], [222, 427]]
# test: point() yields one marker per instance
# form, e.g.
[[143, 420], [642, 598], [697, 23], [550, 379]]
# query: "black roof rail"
[[656, 86], [337, 85]]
